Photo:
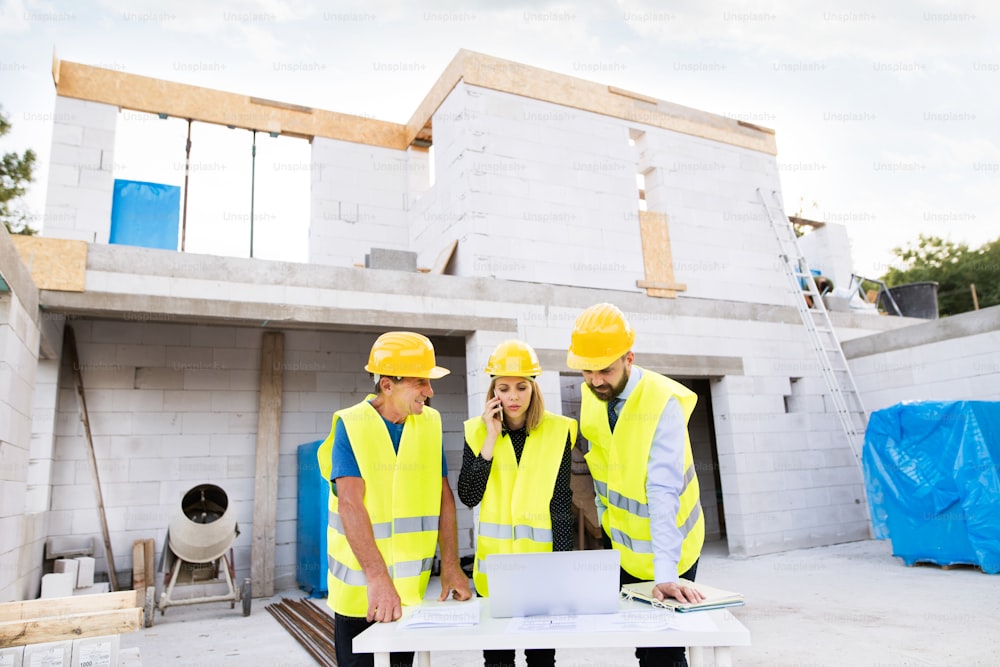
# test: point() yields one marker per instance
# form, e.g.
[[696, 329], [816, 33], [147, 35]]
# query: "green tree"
[[15, 174], [955, 267]]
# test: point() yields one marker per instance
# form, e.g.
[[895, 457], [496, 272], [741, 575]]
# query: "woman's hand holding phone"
[[493, 417]]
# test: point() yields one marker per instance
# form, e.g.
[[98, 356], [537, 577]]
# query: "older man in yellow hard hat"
[[641, 462], [390, 502]]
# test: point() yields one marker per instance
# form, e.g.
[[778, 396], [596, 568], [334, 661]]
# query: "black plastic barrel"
[[915, 300]]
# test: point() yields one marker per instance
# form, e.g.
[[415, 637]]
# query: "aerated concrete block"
[[67, 566], [58, 584], [11, 657], [96, 651], [85, 571], [398, 260], [48, 654]]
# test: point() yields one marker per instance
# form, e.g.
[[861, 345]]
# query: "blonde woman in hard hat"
[[640, 459], [384, 455], [516, 463]]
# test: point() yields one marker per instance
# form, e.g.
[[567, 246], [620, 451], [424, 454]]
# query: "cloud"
[[13, 18], [879, 30]]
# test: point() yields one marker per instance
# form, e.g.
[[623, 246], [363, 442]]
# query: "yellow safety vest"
[[515, 514], [403, 500], [619, 465]]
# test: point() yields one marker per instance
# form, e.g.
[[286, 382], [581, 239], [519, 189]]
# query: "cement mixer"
[[199, 546]]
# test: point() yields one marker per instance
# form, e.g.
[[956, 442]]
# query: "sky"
[[886, 113]]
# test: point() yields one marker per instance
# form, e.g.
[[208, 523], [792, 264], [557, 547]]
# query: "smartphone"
[[496, 395]]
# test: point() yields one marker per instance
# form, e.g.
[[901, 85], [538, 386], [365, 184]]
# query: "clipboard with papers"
[[715, 598]]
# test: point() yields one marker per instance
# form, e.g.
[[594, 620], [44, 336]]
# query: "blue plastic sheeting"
[[145, 214], [932, 471]]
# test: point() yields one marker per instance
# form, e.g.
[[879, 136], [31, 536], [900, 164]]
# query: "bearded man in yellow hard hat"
[[640, 459], [390, 503]]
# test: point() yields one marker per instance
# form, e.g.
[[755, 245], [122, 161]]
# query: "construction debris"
[[311, 626]]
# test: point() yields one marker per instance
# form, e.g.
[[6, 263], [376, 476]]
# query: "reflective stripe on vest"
[[505, 532], [515, 512], [620, 471], [345, 573], [403, 501], [415, 524], [379, 530], [353, 577]]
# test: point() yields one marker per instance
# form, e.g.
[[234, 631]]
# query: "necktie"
[[613, 413]]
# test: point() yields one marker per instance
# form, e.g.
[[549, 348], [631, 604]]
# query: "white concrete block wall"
[[788, 475], [20, 540], [81, 176], [722, 245], [549, 188], [43, 410], [436, 220], [442, 214], [359, 196], [966, 368]]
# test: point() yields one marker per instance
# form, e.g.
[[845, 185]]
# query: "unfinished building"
[[545, 194]]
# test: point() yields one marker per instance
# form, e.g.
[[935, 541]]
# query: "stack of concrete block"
[[71, 576], [100, 651], [81, 178]]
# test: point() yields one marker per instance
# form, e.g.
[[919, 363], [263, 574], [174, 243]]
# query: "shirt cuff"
[[664, 572]]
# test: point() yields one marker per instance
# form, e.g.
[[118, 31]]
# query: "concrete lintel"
[[165, 309], [132, 261], [671, 365], [982, 321]]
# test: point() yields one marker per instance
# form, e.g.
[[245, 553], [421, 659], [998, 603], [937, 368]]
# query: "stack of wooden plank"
[[64, 625]]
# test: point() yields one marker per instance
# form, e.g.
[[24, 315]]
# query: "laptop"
[[554, 583]]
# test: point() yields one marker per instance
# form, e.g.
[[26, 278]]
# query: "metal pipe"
[[187, 171], [253, 168]]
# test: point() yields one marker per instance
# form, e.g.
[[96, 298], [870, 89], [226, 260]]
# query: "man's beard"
[[607, 393]]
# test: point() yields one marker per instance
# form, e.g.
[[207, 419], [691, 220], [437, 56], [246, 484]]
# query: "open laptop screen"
[[560, 582]]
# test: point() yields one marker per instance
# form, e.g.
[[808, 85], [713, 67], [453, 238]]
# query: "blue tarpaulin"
[[145, 214], [932, 472]]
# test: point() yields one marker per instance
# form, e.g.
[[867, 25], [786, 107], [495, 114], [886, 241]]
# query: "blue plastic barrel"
[[310, 554]]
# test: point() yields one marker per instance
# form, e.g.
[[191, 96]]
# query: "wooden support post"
[[69, 340], [139, 571], [149, 552], [265, 491], [975, 297]]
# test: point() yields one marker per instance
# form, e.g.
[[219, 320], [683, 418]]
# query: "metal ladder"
[[833, 364]]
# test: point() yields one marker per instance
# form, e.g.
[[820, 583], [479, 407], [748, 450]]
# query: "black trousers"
[[536, 657], [653, 656], [345, 629]]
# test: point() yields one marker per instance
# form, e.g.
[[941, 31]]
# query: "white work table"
[[707, 634]]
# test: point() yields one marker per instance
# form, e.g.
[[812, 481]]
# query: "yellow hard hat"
[[404, 354], [601, 334], [514, 358]]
